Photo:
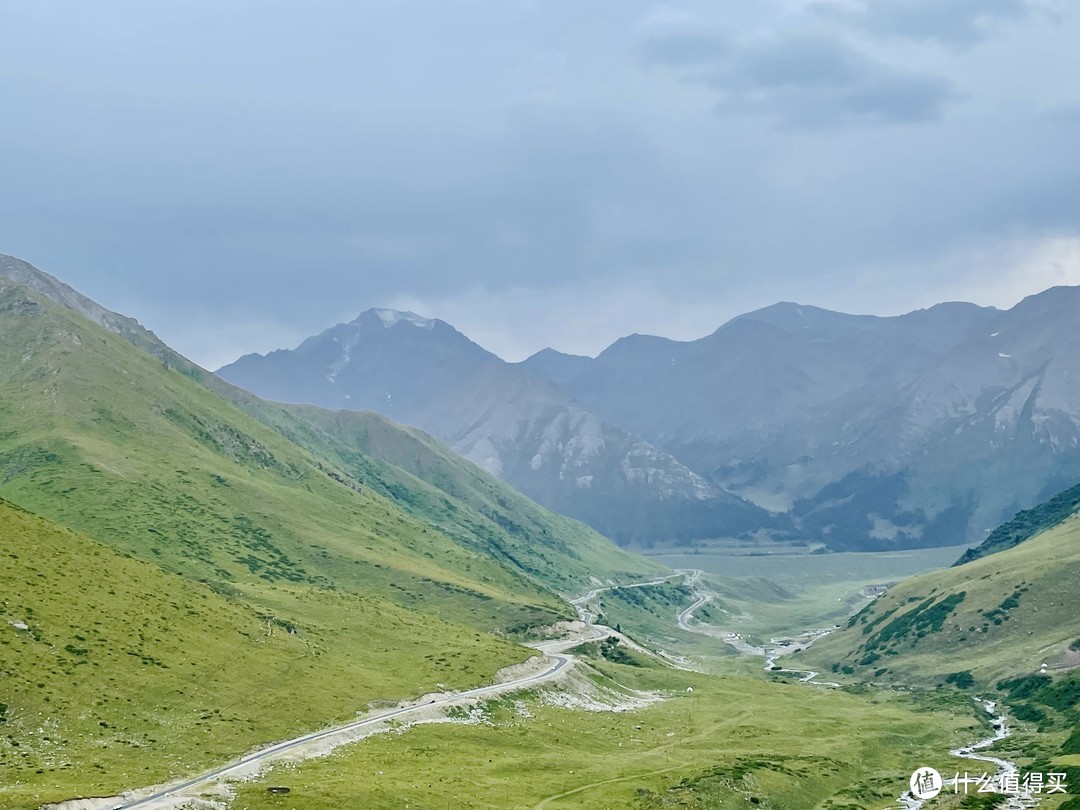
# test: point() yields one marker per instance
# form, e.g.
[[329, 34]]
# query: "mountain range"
[[191, 572], [525, 429], [858, 432]]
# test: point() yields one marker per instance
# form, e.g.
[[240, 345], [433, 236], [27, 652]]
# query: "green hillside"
[[985, 627], [434, 483], [105, 438], [410, 468], [183, 582], [999, 616], [1026, 524], [114, 673], [363, 600]]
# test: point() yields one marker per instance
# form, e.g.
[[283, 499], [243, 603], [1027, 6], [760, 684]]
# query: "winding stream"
[[967, 782], [786, 646], [1004, 767]]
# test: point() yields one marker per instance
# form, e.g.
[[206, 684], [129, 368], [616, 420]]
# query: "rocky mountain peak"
[[389, 318]]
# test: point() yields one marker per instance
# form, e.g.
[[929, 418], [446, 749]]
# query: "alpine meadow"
[[540, 406]]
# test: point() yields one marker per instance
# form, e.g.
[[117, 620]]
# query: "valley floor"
[[625, 727], [630, 731], [731, 742]]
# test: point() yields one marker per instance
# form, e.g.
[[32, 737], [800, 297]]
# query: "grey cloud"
[[884, 99], [684, 48], [1065, 114], [957, 23], [258, 167], [801, 80], [797, 61]]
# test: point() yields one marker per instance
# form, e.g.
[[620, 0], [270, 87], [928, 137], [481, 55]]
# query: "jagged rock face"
[[520, 427], [923, 429]]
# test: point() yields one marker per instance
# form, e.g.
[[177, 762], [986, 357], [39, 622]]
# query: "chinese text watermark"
[[926, 783]]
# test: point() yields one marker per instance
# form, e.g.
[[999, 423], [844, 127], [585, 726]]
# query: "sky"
[[240, 175]]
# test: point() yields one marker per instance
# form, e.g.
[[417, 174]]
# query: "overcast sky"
[[239, 175]]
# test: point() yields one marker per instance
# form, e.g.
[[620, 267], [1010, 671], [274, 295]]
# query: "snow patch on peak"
[[390, 317]]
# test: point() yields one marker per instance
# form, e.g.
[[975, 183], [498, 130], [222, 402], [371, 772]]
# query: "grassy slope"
[[102, 437], [432, 482], [116, 443], [987, 625], [126, 675], [731, 743], [482, 512], [1026, 524], [1017, 610], [648, 613]]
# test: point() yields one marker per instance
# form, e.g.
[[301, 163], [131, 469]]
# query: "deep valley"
[[211, 599]]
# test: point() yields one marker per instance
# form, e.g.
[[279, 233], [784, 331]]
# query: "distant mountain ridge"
[[922, 429], [522, 428]]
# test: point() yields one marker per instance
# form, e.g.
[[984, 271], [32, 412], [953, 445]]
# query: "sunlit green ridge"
[[182, 582]]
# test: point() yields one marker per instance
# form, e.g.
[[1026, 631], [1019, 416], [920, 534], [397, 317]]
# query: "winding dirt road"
[[581, 603], [778, 646], [172, 796]]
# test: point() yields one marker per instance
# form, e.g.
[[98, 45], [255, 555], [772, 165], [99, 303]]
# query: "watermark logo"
[[925, 783], [1010, 783]]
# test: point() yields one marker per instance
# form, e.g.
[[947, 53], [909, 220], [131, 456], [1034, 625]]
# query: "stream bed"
[[970, 783]]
